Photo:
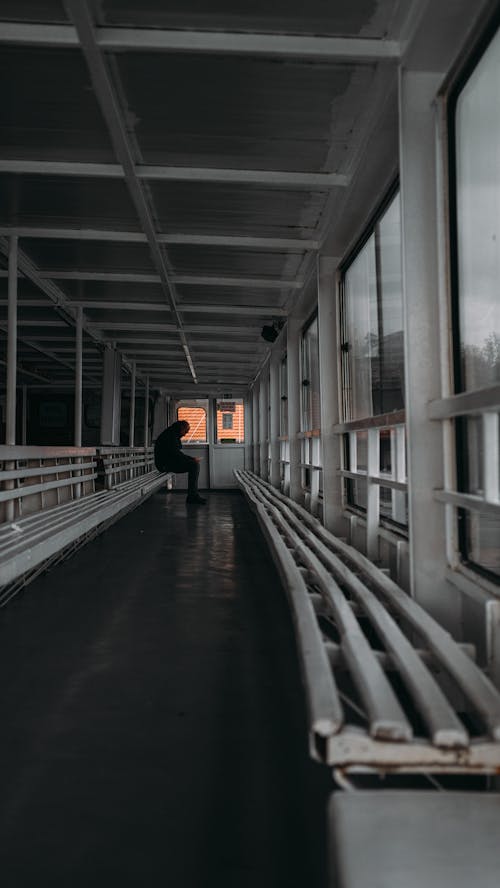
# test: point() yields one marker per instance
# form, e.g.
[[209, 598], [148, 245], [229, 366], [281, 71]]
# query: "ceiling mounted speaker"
[[270, 334]]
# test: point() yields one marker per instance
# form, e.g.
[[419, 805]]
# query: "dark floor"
[[151, 714]]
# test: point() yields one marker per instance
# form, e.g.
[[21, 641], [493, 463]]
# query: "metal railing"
[[374, 471]]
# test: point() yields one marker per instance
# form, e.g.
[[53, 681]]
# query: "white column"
[[146, 413], [264, 422], [24, 427], [274, 416], [419, 200], [329, 374], [78, 377], [10, 428], [294, 327], [111, 397], [131, 428], [248, 431], [255, 429]]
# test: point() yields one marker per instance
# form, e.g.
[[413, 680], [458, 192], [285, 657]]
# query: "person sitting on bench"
[[170, 458]]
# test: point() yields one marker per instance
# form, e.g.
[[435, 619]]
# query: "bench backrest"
[[37, 478]]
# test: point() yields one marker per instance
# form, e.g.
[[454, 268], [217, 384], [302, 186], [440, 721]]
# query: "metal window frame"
[[368, 231], [483, 402]]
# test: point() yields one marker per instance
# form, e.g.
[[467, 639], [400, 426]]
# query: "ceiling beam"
[[47, 354], [162, 40], [161, 328], [112, 325], [138, 237], [79, 13], [252, 283], [272, 178], [203, 280], [264, 311]]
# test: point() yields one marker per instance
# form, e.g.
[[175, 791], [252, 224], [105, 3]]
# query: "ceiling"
[[173, 173]]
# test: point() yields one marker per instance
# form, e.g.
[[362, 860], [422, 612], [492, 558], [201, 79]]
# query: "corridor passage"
[[151, 713]]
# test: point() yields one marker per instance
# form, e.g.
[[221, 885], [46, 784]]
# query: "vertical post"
[[264, 422], [274, 416], [78, 390], [421, 281], [111, 397], [131, 428], [256, 429], [248, 431], [373, 495], [293, 372], [10, 429], [10, 426], [24, 426], [398, 470], [329, 374], [78, 377], [146, 413], [491, 483]]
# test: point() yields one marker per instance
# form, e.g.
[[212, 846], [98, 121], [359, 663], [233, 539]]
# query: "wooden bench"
[[49, 502]]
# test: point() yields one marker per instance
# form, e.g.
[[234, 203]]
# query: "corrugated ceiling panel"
[[365, 17], [64, 120]]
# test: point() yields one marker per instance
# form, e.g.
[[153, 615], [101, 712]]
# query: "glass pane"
[[385, 450], [483, 549], [360, 283], [388, 388], [373, 323], [359, 493], [362, 451], [230, 421], [197, 419], [477, 132]]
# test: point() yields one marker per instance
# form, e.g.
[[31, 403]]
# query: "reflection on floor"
[[152, 724]]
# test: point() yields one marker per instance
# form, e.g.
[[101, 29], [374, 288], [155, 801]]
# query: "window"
[[475, 200], [310, 396], [230, 421], [372, 322], [195, 413], [372, 347]]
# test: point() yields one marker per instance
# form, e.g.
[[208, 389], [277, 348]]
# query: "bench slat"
[[37, 471], [54, 529], [386, 716], [28, 490], [478, 689], [446, 728], [325, 708]]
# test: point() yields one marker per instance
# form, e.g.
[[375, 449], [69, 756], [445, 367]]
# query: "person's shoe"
[[196, 500]]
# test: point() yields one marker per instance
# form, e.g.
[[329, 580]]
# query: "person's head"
[[184, 427]]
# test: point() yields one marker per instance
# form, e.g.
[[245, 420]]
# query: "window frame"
[[183, 405], [452, 95], [367, 232]]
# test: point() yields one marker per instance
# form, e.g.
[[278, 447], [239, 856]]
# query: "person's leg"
[[187, 464], [193, 473]]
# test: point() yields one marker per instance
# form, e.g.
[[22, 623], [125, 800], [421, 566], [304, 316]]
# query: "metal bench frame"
[[330, 583]]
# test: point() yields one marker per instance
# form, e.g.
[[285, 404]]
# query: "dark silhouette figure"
[[170, 458]]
